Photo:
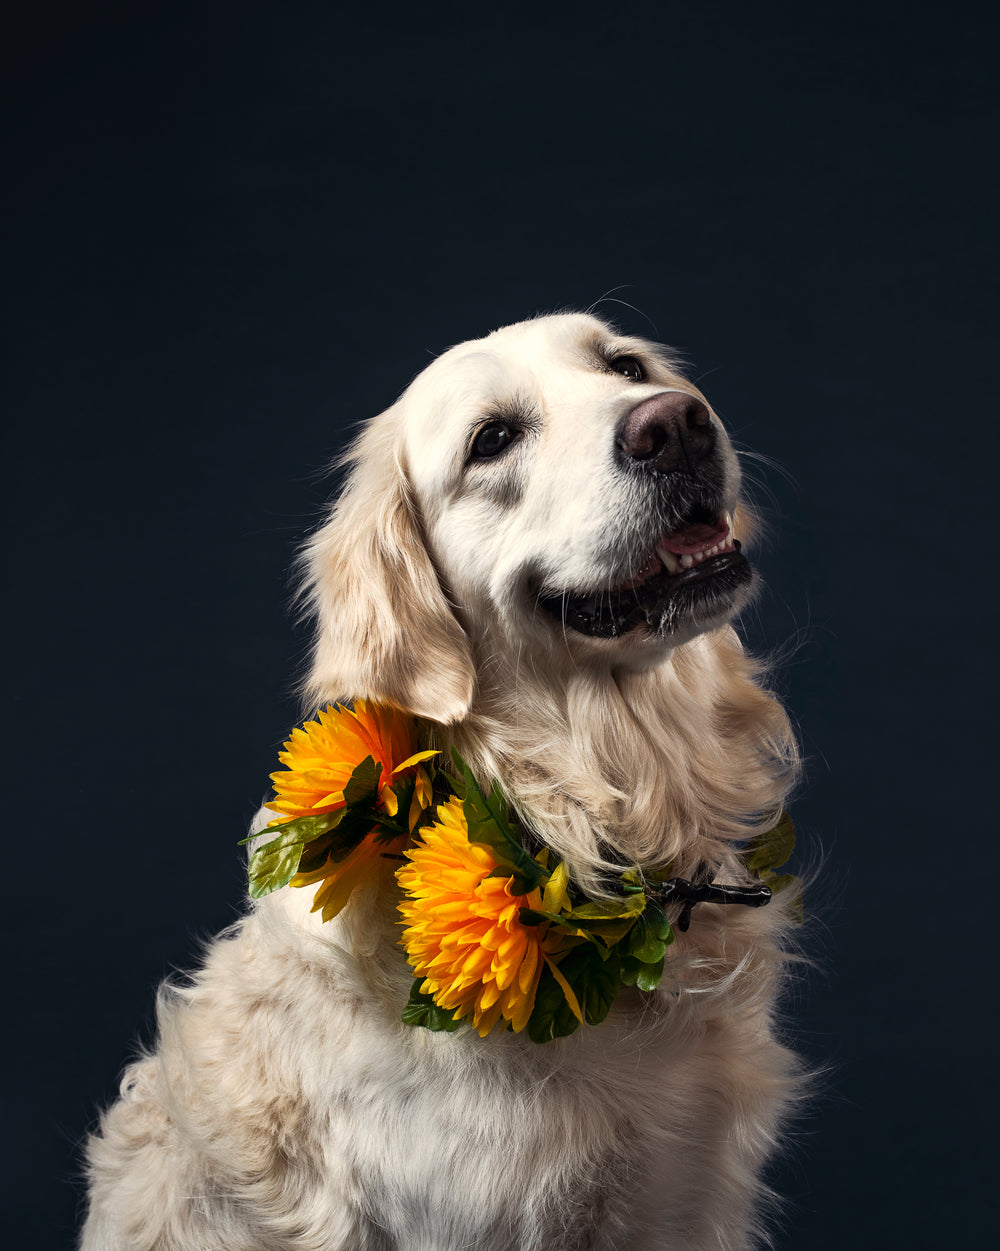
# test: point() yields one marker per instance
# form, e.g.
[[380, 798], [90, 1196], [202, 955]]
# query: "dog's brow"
[[517, 407], [599, 351], [644, 350], [596, 351]]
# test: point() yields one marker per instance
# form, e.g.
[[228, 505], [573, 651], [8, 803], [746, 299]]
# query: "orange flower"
[[321, 756], [464, 936]]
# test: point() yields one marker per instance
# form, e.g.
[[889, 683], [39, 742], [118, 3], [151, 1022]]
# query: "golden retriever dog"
[[538, 553]]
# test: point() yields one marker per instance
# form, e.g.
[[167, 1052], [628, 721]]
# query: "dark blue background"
[[235, 232]]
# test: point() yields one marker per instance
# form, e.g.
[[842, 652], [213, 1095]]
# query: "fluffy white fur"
[[285, 1105]]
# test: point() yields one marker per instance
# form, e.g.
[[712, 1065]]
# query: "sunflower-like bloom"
[[464, 936], [321, 756]]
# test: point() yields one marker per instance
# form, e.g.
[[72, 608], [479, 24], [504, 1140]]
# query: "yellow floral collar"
[[493, 935]]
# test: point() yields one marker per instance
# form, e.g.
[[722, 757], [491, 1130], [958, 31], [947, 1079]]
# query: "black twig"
[[680, 890]]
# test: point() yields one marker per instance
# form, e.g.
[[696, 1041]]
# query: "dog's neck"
[[671, 765]]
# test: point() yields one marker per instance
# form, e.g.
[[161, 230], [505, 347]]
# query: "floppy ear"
[[386, 631]]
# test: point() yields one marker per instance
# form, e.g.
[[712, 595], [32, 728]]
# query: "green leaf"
[[489, 823], [609, 933], [609, 909], [603, 921], [623, 950], [658, 921], [644, 952], [310, 827], [635, 918], [276, 863], [595, 977], [643, 976], [771, 849], [630, 970], [363, 785], [420, 1009], [643, 944], [651, 935], [551, 1017]]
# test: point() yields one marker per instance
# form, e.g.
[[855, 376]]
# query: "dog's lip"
[[668, 586], [696, 538], [696, 541], [659, 600]]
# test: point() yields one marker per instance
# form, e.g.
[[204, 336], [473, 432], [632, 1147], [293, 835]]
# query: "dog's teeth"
[[674, 563], [670, 561]]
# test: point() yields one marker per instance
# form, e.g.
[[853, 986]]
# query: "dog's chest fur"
[[289, 1096], [310, 1117]]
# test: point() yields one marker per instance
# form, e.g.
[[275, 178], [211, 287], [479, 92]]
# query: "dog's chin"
[[663, 608]]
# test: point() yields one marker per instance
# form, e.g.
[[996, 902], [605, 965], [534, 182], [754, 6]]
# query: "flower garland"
[[494, 935]]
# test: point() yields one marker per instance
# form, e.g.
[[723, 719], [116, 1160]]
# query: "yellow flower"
[[321, 756], [464, 936]]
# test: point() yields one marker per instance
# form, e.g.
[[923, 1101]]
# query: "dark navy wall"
[[236, 231]]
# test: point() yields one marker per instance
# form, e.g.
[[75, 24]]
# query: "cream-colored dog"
[[536, 551]]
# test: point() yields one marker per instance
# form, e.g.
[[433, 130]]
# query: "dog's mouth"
[[695, 574]]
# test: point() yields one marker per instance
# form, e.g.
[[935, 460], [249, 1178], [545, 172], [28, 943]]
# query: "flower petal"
[[415, 759]]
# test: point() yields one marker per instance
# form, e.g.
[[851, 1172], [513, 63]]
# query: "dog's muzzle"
[[695, 575]]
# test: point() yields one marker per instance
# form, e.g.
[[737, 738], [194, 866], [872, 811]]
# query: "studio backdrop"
[[234, 234]]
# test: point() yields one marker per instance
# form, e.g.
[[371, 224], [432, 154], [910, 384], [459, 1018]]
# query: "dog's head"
[[553, 489]]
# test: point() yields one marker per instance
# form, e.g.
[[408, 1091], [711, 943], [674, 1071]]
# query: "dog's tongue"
[[695, 538]]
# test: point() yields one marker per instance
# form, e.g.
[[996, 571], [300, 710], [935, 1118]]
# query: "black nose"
[[672, 431]]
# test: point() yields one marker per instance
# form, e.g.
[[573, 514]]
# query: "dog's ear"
[[385, 629]]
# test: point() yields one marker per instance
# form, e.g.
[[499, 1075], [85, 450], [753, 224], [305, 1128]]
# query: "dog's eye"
[[628, 367], [492, 439]]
